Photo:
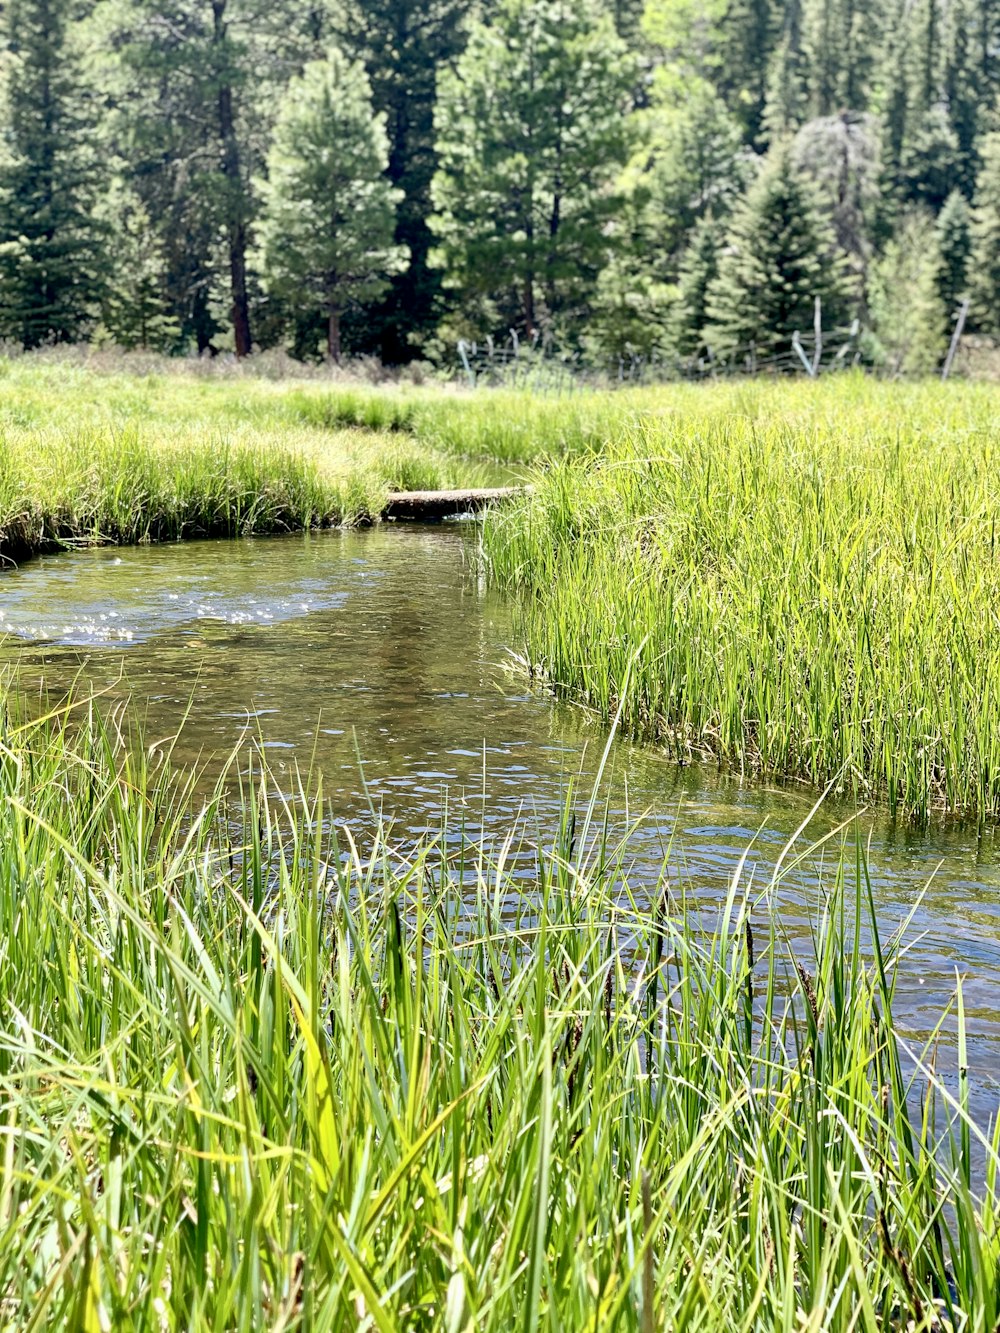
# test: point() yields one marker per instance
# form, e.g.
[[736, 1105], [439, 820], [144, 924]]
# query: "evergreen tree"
[[194, 84], [52, 259], [909, 321], [748, 34], [963, 95], [931, 166], [134, 311], [985, 260], [778, 256], [788, 77], [841, 155], [699, 268], [842, 38], [405, 45], [531, 134], [953, 240], [690, 160], [328, 220]]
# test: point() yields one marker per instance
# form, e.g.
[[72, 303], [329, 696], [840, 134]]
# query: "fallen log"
[[443, 504]]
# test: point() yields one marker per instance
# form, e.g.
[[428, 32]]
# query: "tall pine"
[[985, 259], [405, 45], [953, 236], [532, 132], [778, 256], [329, 212], [52, 259]]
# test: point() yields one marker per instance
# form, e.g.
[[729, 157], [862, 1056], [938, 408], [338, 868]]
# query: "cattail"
[[810, 991], [748, 932]]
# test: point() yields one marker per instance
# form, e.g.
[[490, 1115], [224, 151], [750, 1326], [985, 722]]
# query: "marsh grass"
[[89, 458], [810, 587], [251, 1076]]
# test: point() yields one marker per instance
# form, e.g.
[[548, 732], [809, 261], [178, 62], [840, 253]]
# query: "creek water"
[[383, 644]]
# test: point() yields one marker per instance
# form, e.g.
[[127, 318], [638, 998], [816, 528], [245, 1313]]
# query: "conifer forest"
[[749, 184]]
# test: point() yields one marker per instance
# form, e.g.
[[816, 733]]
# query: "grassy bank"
[[260, 1081], [88, 457], [804, 579]]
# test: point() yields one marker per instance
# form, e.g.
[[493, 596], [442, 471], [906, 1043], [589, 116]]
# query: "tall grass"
[[125, 461], [810, 587], [253, 1079]]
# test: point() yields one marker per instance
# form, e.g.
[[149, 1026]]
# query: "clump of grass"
[[807, 588], [251, 1078]]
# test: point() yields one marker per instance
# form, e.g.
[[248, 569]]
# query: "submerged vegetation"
[[249, 1079]]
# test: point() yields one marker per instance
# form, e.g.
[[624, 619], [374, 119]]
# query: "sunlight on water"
[[382, 643]]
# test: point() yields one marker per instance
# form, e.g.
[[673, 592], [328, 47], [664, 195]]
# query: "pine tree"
[[963, 94], [953, 240], [405, 44], [843, 39], [931, 166], [909, 321], [690, 161], [841, 155], [985, 259], [328, 220], [788, 77], [778, 256], [194, 84], [748, 34], [134, 311], [698, 270], [531, 135], [52, 260]]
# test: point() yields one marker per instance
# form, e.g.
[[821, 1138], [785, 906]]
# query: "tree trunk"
[[333, 335], [235, 219]]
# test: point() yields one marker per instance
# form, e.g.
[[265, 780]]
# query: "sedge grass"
[[253, 1079], [810, 586], [121, 458]]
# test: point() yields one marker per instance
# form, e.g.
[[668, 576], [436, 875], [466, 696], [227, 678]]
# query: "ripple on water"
[[379, 643]]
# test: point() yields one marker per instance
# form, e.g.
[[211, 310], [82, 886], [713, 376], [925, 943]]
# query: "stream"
[[382, 643]]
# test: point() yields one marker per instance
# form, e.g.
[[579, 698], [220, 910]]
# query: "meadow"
[[794, 580], [255, 1075]]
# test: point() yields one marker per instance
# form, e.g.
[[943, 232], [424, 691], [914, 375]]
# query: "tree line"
[[679, 180]]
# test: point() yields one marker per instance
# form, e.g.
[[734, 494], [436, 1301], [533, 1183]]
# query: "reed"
[[253, 1077], [808, 585]]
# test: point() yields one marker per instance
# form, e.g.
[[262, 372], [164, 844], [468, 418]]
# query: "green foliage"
[[690, 160], [531, 134], [699, 268], [909, 318], [52, 255], [404, 45], [551, 172], [986, 239], [328, 220], [134, 312], [777, 258], [954, 246]]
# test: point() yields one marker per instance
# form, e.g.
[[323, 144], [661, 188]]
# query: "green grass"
[[88, 457], [251, 1079], [806, 578]]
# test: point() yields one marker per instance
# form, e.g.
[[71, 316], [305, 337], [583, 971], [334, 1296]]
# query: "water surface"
[[383, 643]]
